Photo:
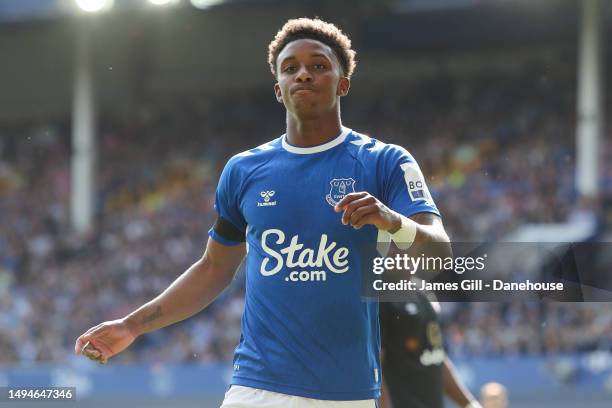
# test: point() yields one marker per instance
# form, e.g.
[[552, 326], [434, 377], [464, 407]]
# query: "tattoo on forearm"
[[153, 316]]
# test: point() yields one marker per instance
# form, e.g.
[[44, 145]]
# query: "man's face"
[[310, 79]]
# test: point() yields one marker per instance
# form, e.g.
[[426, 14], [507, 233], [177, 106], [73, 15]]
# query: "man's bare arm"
[[191, 292], [195, 289], [430, 239], [429, 228]]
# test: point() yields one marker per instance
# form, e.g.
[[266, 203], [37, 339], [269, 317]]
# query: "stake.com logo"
[[294, 256]]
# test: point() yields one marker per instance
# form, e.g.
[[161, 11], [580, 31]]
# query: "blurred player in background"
[[494, 395], [416, 371], [308, 340]]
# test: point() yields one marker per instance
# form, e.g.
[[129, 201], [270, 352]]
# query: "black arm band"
[[227, 230]]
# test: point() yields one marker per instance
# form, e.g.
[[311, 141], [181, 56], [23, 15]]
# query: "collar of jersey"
[[318, 148]]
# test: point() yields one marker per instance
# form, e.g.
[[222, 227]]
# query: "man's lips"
[[302, 88]]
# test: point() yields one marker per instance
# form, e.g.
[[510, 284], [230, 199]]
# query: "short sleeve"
[[227, 203], [404, 187]]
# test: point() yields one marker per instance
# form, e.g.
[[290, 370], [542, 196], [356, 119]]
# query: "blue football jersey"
[[305, 329]]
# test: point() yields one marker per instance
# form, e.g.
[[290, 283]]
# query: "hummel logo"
[[266, 195]]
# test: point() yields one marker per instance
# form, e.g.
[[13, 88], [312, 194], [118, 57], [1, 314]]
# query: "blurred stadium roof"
[[141, 51], [21, 10]]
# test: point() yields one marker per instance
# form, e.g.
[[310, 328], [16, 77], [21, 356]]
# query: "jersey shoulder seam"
[[243, 156]]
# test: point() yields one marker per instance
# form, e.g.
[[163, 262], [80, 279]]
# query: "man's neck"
[[312, 132]]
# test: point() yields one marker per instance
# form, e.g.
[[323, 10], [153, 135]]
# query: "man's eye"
[[319, 66], [289, 68]]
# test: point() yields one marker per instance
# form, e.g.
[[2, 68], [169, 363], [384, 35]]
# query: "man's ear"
[[344, 84], [278, 93]]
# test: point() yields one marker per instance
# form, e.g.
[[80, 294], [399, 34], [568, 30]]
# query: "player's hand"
[[363, 208], [103, 341]]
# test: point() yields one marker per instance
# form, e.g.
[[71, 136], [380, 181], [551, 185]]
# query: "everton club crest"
[[339, 188]]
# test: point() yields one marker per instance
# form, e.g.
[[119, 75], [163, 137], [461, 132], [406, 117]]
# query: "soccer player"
[[416, 371], [305, 208]]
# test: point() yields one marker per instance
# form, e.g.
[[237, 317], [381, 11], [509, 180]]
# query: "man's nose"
[[303, 75]]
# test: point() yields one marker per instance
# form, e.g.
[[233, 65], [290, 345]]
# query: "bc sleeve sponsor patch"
[[404, 187], [417, 188]]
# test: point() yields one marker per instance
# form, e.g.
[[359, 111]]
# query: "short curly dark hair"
[[313, 29]]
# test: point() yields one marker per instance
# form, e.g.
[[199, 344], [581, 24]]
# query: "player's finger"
[[93, 354], [102, 347], [359, 218], [89, 337], [83, 338], [348, 198], [90, 351], [80, 344], [361, 211], [85, 347], [365, 220], [354, 205], [96, 355]]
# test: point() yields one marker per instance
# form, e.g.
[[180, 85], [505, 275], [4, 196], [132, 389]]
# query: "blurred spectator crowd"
[[498, 152]]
